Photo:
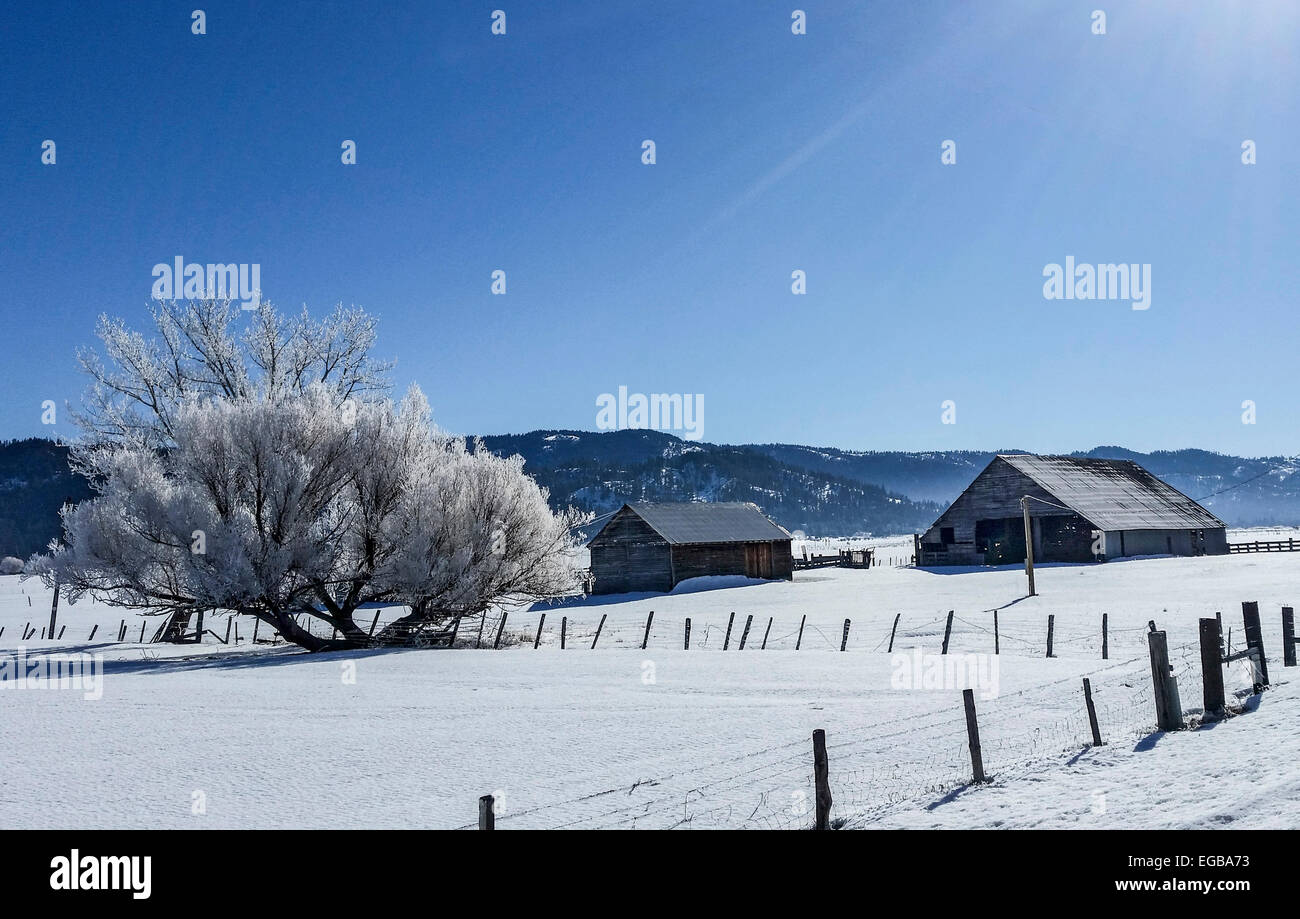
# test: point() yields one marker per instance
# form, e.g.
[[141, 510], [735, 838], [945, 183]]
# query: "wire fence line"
[[739, 631], [880, 765]]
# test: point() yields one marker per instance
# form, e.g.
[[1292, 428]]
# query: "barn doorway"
[[758, 560], [1001, 540]]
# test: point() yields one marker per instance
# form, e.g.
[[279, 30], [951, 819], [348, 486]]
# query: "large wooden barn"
[[1076, 506], [654, 547]]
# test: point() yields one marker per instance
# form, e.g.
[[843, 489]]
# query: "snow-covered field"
[[235, 736]]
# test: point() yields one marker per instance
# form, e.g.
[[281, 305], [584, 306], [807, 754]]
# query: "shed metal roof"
[[1114, 494], [696, 522]]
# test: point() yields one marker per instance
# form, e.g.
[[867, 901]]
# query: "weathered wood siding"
[[994, 495], [695, 561], [627, 555]]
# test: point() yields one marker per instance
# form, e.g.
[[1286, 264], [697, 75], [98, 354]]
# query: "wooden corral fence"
[[1276, 545], [844, 558]]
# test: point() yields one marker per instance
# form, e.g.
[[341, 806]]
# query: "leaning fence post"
[[821, 779], [121, 631], [1288, 637], [374, 622], [142, 625], [1092, 712], [744, 635], [687, 645], [1211, 667], [1255, 638], [973, 735], [537, 639], [766, 632], [1105, 636], [54, 607], [844, 639], [455, 629], [1166, 718], [93, 630], [61, 630], [229, 622], [726, 639], [598, 628], [892, 631], [487, 818], [646, 637], [799, 640], [1051, 628], [947, 633], [501, 627]]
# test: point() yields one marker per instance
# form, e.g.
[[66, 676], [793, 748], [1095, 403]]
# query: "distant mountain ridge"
[[822, 491]]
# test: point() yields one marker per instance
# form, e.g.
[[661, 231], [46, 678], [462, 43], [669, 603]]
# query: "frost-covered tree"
[[11, 565], [269, 477]]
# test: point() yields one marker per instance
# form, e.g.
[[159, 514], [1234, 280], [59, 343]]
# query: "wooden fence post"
[[767, 632], [1092, 712], [1288, 637], [62, 628], [997, 635], [726, 639], [93, 630], [54, 608], [564, 628], [537, 639], [1255, 638], [257, 623], [973, 735], [598, 628], [892, 632], [501, 627], [799, 640], [646, 637], [1167, 719], [821, 779], [844, 639], [198, 632], [482, 621], [1105, 636], [687, 645], [487, 818], [1051, 629], [1211, 668], [744, 634], [229, 622], [142, 633], [121, 631], [947, 633], [455, 630], [374, 622]]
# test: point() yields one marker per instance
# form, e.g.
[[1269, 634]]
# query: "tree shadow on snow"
[[240, 660]]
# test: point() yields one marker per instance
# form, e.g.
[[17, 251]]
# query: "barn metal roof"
[[693, 522], [1114, 494]]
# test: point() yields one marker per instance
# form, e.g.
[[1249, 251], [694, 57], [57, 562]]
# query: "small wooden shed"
[[654, 547]]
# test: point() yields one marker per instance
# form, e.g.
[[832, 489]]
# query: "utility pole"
[[1029, 544]]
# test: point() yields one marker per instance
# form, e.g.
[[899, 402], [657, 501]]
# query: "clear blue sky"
[[775, 152]]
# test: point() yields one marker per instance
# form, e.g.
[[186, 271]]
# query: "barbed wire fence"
[[882, 765]]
